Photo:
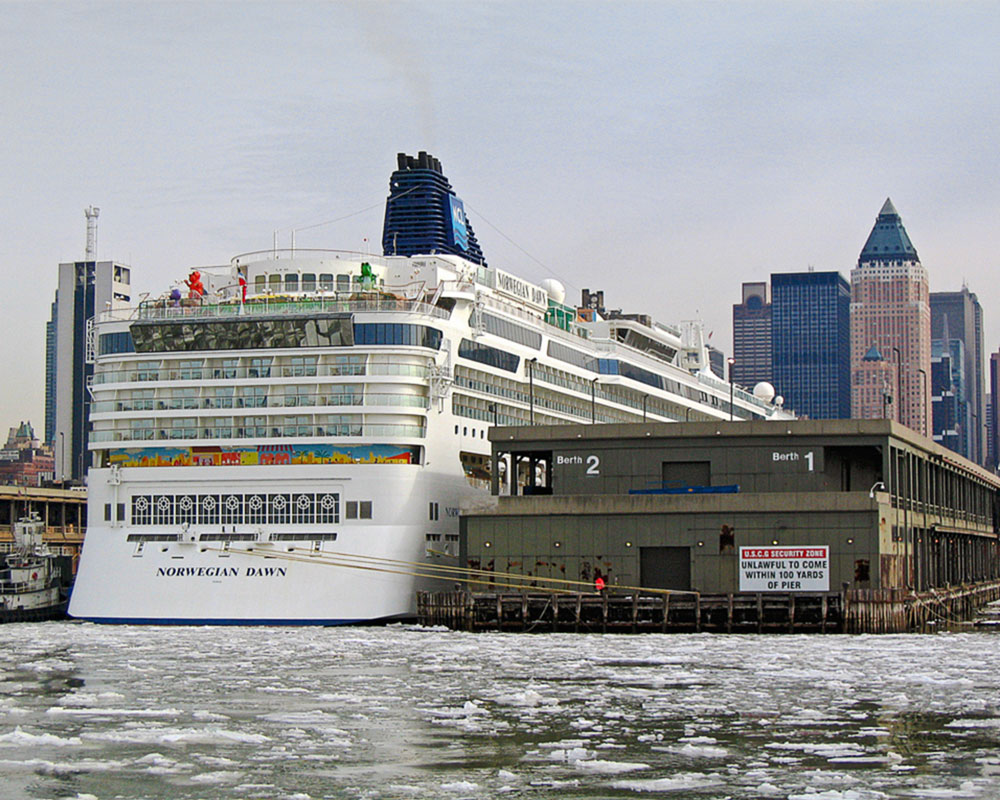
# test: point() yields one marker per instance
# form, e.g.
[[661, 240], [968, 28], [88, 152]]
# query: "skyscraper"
[[752, 337], [50, 374], [810, 343], [994, 442], [890, 327], [951, 415], [423, 215], [958, 315], [85, 288]]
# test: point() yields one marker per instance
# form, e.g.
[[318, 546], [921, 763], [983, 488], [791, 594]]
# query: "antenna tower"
[[91, 213]]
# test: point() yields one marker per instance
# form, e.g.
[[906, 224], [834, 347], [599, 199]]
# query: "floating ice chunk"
[[608, 767], [529, 698], [459, 786], [680, 782], [992, 722], [835, 794], [221, 776], [20, 737], [696, 751]]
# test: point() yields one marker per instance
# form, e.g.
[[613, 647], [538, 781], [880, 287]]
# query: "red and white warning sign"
[[785, 569]]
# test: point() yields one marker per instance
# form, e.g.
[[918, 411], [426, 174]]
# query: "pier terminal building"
[[720, 507]]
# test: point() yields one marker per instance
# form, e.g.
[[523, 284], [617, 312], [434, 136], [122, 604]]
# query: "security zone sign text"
[[785, 569]]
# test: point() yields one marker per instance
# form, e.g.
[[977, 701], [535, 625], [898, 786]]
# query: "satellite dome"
[[764, 391], [554, 289]]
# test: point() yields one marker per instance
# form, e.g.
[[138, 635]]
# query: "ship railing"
[[308, 253], [260, 434], [272, 305], [200, 374], [738, 391], [280, 401], [17, 587]]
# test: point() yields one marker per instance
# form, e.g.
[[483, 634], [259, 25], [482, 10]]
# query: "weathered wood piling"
[[850, 611]]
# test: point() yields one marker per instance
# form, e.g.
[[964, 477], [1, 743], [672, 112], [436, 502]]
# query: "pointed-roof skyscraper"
[[423, 215], [890, 311]]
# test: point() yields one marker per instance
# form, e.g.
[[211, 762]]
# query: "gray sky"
[[663, 152]]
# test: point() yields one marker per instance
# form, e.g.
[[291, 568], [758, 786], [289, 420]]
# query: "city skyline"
[[709, 145]]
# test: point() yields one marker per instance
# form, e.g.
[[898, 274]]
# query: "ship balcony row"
[[260, 434], [318, 401], [164, 374], [272, 305]]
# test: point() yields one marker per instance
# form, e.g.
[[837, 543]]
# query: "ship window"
[[491, 356], [351, 511], [291, 282], [259, 283], [508, 330], [326, 282], [343, 283], [187, 508], [365, 509], [208, 509], [163, 509], [141, 510], [232, 509], [308, 281], [304, 509], [121, 512], [107, 512], [259, 368], [274, 282], [397, 334], [120, 342], [280, 511]]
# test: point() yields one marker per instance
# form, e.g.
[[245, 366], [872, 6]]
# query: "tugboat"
[[31, 579]]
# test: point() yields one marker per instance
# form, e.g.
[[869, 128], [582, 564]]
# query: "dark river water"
[[104, 712]]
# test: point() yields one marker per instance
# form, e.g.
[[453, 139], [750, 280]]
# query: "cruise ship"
[[287, 439]]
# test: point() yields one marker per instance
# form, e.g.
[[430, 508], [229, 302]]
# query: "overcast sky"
[[663, 152]]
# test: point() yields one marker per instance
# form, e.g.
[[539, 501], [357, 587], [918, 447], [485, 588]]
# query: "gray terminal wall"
[[680, 542]]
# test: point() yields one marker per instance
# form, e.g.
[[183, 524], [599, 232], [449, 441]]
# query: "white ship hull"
[[370, 572]]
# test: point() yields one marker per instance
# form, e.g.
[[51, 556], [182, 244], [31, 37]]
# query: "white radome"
[[764, 391], [554, 289]]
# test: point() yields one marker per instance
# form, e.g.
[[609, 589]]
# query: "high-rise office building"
[[958, 315], [50, 375], [994, 443], [991, 434], [890, 327], [810, 343], [423, 215], [752, 337], [86, 288], [950, 406]]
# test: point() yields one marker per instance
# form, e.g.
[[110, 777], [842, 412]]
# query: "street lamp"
[[731, 361], [531, 389]]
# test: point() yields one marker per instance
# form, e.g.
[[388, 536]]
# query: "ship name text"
[[221, 572]]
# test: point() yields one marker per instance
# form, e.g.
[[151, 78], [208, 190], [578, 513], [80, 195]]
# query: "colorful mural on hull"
[[264, 455]]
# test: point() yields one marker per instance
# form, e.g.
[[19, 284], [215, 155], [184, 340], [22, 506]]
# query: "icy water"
[[402, 712]]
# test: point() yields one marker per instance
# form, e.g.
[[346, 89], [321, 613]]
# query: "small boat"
[[31, 577]]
